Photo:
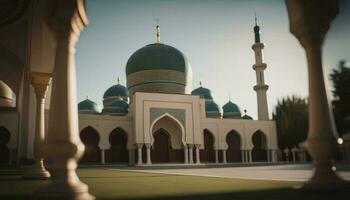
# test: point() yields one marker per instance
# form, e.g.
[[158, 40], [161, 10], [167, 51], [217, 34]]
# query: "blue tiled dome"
[[118, 107], [231, 110], [202, 92], [212, 109], [116, 91], [88, 107]]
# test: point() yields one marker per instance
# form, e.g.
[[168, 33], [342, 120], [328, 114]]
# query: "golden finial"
[[158, 32], [118, 80], [200, 83]]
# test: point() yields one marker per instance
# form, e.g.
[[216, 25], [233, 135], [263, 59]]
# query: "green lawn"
[[114, 184]]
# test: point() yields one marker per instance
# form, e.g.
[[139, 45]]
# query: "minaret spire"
[[158, 32], [259, 67], [256, 30]]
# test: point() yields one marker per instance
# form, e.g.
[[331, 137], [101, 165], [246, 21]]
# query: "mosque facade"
[[158, 118]]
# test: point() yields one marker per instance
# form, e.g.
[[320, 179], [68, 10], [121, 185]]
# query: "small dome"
[[157, 56], [118, 107], [245, 116], [116, 91], [212, 109], [6, 95], [88, 107], [202, 92], [231, 110]]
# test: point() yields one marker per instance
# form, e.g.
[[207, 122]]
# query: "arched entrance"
[[89, 136], [259, 152], [167, 143], [208, 153], [4, 150], [161, 146], [233, 153], [118, 153]]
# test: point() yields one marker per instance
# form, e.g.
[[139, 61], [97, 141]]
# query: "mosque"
[[157, 118]]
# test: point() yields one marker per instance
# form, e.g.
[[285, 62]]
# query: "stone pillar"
[[190, 149], [148, 149], [274, 156], [131, 156], [103, 156], [246, 156], [224, 156], [198, 161], [63, 146], [216, 156], [309, 22], [139, 153], [242, 155], [268, 155], [40, 83], [185, 154], [250, 156]]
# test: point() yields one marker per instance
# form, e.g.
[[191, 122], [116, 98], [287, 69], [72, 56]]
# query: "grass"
[[108, 184]]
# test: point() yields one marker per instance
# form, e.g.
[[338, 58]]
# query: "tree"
[[291, 116], [341, 92]]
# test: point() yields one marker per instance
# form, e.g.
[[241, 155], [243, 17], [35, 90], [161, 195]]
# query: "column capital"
[[148, 145], [197, 146], [139, 145], [40, 81]]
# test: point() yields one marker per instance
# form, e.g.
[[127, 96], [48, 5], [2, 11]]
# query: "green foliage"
[[341, 92], [291, 116]]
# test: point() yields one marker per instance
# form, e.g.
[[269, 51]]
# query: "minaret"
[[259, 67]]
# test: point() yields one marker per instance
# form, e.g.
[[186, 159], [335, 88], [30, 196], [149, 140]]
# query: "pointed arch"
[[260, 145], [234, 143], [151, 131], [118, 152], [207, 154], [91, 138]]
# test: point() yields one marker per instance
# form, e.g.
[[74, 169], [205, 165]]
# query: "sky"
[[215, 35]]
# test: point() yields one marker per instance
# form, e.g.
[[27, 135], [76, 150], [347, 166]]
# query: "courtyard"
[[165, 182]]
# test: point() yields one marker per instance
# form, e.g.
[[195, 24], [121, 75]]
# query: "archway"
[[208, 153], [161, 146], [118, 153], [233, 153], [4, 150], [167, 143], [90, 138], [259, 152]]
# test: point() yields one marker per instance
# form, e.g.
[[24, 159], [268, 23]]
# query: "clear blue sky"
[[216, 36]]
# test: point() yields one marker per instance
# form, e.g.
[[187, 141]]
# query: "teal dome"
[[212, 109], [116, 91], [202, 92], [245, 116], [118, 107], [88, 107], [231, 110], [157, 56]]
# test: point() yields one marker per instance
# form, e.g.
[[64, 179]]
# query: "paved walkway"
[[296, 172]]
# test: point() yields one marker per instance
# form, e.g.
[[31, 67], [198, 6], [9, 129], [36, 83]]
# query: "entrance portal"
[[90, 138], [208, 153], [233, 153], [118, 153], [259, 152], [4, 150]]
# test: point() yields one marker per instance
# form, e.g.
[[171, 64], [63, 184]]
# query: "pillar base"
[[326, 179], [36, 173], [75, 190]]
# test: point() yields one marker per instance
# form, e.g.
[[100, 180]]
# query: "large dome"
[[231, 110], [116, 91], [158, 68], [202, 92]]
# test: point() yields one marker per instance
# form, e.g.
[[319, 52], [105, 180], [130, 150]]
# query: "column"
[[131, 156], [148, 150], [242, 156], [190, 149], [250, 156], [309, 22], [185, 154], [40, 83], [139, 153], [103, 158], [63, 146], [274, 156], [246, 156], [216, 156], [268, 155], [197, 154], [224, 156]]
